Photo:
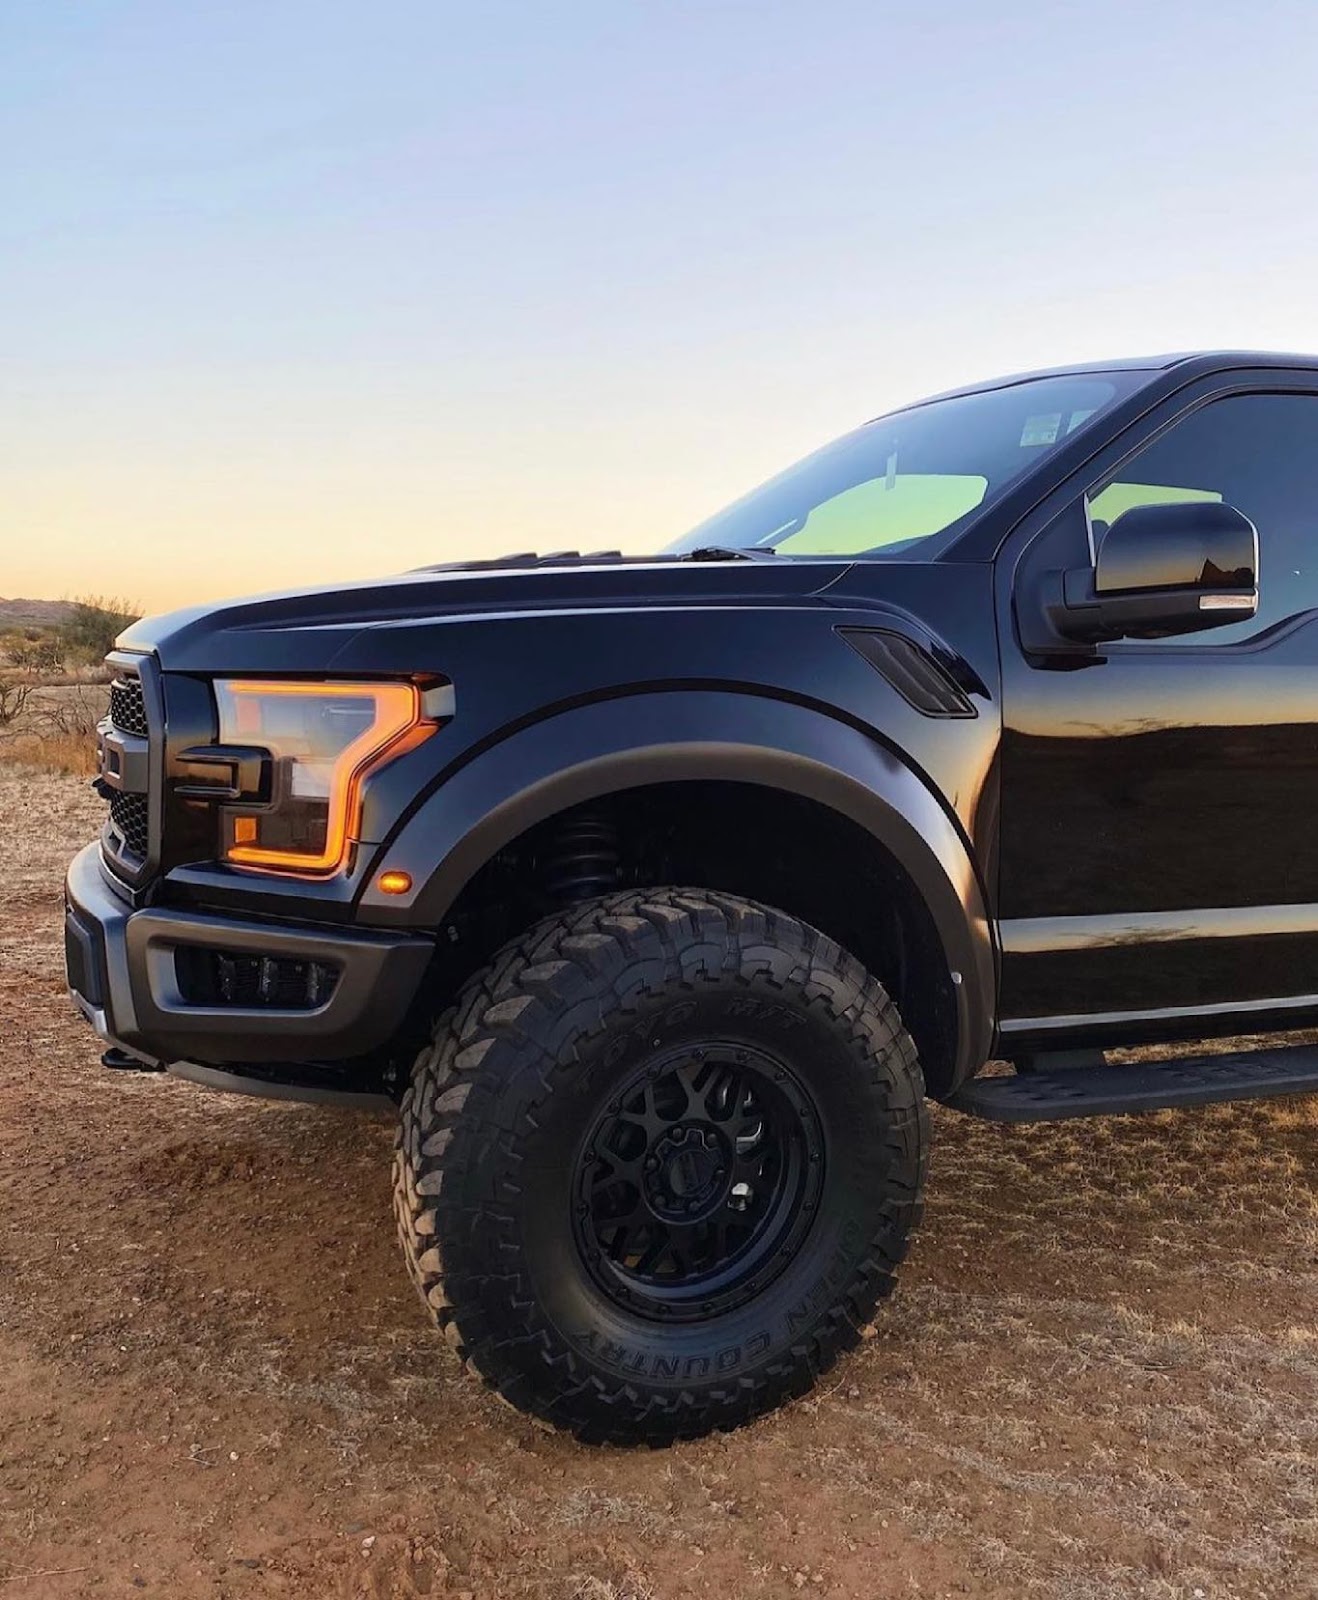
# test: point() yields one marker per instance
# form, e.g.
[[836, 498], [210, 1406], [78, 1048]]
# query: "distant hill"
[[34, 613]]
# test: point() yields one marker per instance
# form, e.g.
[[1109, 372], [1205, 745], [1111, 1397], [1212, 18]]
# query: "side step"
[[1052, 1093]]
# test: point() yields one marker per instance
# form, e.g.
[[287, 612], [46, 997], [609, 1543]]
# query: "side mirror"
[[1161, 570]]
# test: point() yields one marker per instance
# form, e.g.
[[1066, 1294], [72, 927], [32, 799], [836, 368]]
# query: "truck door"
[[1159, 824]]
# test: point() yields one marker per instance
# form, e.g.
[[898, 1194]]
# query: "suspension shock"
[[582, 859]]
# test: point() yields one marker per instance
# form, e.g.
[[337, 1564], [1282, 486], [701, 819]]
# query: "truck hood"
[[314, 629]]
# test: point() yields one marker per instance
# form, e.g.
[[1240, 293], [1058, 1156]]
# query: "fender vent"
[[912, 671]]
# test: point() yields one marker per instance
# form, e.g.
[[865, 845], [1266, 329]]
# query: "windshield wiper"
[[722, 552]]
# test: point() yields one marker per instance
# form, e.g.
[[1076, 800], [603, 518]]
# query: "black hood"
[[312, 629]]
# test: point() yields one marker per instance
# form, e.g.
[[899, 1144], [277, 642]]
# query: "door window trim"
[[1129, 444]]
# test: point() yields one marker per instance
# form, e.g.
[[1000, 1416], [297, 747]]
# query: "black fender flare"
[[596, 749]]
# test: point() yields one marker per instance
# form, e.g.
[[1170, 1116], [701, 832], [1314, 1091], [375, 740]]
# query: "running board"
[[1109, 1091]]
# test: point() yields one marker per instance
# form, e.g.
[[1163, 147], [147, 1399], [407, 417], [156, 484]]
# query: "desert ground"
[[1099, 1378]]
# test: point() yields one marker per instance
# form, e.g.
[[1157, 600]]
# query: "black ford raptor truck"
[[656, 895]]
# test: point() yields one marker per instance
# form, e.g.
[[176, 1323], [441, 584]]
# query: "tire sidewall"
[[855, 1093]]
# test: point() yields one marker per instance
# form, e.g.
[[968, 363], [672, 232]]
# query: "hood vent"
[[914, 672]]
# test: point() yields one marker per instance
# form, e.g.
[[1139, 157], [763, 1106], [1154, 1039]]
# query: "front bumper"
[[123, 975]]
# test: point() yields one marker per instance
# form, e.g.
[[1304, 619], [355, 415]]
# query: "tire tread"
[[527, 1014]]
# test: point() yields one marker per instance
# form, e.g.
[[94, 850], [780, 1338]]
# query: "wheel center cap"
[[687, 1171]]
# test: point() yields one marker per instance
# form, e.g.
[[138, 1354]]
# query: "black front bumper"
[[123, 973]]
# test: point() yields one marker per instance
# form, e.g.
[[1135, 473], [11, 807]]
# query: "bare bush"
[[50, 727], [13, 702], [74, 714]]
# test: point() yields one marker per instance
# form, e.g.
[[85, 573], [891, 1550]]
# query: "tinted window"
[[890, 487], [1258, 453]]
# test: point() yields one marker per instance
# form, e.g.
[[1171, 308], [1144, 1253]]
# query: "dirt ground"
[[1098, 1378]]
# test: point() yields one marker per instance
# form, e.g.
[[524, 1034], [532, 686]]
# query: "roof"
[[1203, 360]]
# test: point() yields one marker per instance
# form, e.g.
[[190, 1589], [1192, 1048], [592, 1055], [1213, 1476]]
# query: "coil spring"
[[582, 859]]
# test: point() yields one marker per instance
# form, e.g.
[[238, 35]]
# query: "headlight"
[[322, 740]]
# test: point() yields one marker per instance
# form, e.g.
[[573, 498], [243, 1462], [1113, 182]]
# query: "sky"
[[298, 291]]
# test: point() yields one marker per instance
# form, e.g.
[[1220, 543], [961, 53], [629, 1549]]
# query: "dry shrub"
[[95, 621], [75, 714], [14, 699], [52, 728], [35, 653]]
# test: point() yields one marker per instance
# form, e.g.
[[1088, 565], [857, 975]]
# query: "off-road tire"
[[528, 1059]]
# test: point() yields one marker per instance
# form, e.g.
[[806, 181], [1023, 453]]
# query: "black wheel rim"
[[697, 1185]]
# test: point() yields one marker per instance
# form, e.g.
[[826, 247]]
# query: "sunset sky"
[[300, 291]]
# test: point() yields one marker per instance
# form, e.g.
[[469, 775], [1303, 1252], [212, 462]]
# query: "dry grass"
[[1098, 1381], [65, 754]]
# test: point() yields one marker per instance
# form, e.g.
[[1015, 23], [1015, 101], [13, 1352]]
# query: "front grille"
[[252, 981], [128, 706], [128, 845], [128, 818]]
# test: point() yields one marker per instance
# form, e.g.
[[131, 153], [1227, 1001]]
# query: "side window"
[[1258, 453]]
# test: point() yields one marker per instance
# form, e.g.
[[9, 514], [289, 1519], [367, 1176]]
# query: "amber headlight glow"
[[322, 740]]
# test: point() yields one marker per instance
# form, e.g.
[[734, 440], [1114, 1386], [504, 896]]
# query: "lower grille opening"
[[128, 818], [252, 981]]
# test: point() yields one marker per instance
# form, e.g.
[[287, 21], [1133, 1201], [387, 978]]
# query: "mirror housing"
[[1161, 570]]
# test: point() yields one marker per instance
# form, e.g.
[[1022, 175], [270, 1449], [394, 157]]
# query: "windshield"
[[882, 490]]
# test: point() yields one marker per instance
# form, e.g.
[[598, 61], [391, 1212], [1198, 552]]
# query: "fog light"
[[394, 882]]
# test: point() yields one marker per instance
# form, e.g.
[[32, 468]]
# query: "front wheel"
[[660, 1162]]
